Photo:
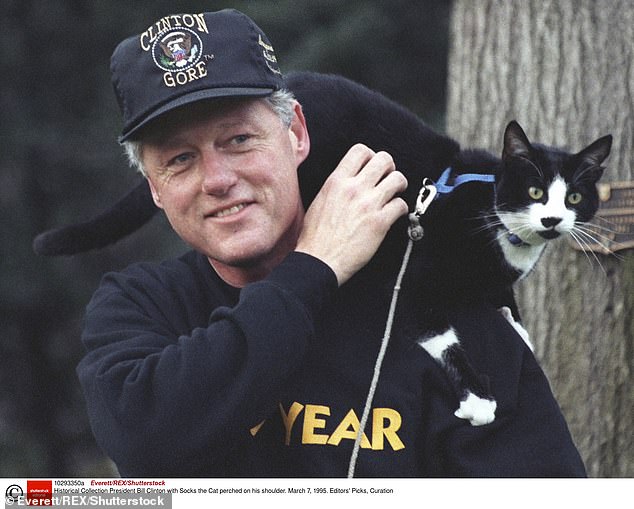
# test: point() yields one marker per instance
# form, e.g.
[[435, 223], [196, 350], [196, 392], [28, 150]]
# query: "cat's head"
[[543, 192]]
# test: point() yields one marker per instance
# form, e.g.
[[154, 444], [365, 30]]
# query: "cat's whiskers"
[[585, 231], [589, 231], [604, 219], [499, 236], [591, 226], [496, 226], [490, 221], [522, 229], [585, 248]]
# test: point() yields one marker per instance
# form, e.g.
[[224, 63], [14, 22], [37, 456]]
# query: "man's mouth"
[[229, 211]]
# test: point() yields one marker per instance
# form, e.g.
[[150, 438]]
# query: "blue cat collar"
[[443, 187], [515, 240]]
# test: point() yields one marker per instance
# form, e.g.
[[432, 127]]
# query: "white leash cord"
[[379, 361], [425, 197]]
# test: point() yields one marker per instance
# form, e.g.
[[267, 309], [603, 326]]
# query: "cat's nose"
[[550, 222]]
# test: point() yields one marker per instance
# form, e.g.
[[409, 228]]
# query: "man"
[[252, 354]]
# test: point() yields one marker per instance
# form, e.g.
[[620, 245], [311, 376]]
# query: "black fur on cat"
[[477, 240], [476, 244], [481, 237]]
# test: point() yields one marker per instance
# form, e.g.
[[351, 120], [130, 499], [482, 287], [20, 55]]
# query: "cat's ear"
[[591, 157], [516, 142], [595, 153]]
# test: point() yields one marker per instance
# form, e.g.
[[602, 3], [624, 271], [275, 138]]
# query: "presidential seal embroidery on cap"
[[177, 49], [184, 58]]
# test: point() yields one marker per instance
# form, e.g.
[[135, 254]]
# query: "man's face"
[[225, 173]]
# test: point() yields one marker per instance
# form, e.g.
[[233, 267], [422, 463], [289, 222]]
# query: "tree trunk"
[[565, 70]]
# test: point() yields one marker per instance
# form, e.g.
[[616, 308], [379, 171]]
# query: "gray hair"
[[282, 103]]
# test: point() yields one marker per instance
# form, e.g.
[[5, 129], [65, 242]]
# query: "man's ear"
[[155, 194], [298, 131]]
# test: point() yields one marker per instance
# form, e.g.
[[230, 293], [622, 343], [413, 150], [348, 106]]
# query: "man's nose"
[[218, 176]]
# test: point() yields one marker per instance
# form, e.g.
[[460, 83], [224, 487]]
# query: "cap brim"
[[198, 95]]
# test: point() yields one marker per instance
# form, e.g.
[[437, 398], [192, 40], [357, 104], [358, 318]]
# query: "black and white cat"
[[489, 231], [479, 238]]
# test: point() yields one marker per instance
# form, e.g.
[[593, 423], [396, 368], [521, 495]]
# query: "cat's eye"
[[574, 198], [536, 193]]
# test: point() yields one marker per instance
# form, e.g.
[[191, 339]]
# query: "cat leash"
[[415, 232], [427, 194]]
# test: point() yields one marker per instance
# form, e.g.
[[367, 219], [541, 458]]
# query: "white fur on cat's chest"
[[522, 257]]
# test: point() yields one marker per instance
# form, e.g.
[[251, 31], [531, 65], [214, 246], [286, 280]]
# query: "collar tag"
[[515, 240]]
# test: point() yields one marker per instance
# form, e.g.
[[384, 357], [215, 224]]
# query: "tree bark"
[[565, 70]]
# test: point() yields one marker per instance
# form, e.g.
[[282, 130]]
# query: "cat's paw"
[[478, 411], [523, 333]]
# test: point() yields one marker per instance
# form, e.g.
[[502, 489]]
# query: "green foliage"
[[60, 163]]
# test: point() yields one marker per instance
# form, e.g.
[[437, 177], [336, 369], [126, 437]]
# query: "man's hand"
[[353, 212]]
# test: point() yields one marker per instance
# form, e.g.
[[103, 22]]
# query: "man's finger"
[[393, 184], [354, 161], [377, 168]]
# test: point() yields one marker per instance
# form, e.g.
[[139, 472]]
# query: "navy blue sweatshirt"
[[186, 376]]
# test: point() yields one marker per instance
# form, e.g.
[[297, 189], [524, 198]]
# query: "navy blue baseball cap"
[[184, 58]]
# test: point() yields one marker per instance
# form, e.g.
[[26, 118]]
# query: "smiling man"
[[252, 354], [225, 174]]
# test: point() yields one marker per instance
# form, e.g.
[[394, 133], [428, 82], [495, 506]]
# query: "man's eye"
[[240, 139], [180, 159]]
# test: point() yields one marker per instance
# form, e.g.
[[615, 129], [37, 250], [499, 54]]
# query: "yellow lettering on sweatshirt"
[[289, 419], [348, 429], [386, 422], [312, 422]]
